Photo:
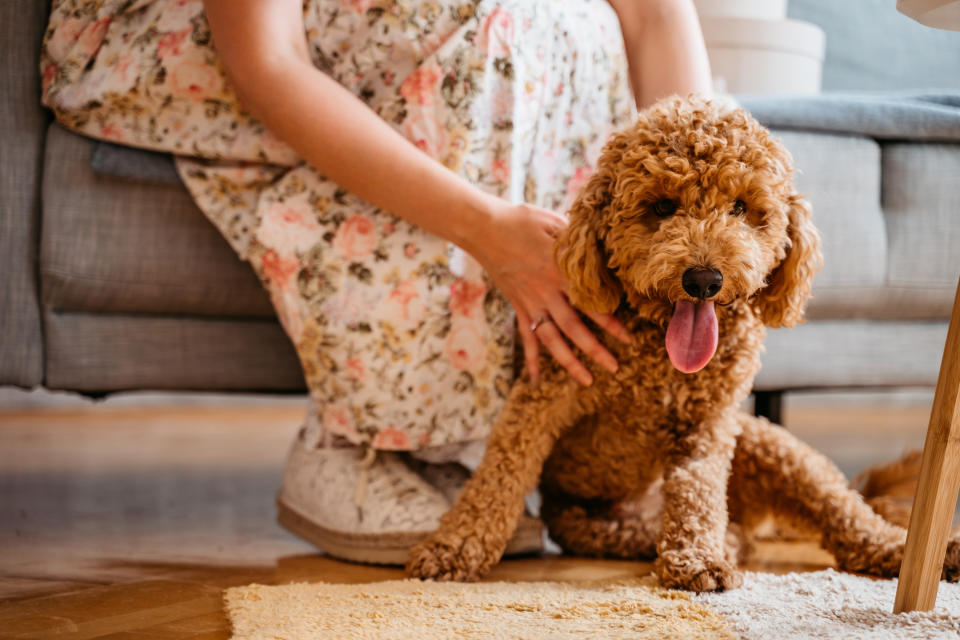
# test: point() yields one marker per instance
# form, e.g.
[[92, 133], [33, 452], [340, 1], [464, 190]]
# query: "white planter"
[[758, 9], [764, 56]]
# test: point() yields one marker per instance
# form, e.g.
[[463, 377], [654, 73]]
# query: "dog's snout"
[[702, 283]]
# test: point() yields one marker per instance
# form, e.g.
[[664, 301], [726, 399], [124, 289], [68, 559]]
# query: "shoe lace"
[[402, 486]]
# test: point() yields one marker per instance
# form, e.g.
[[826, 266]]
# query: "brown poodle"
[[692, 233]]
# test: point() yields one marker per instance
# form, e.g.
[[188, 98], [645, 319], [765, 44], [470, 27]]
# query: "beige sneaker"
[[372, 507]]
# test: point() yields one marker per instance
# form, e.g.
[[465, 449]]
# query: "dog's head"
[[692, 207]]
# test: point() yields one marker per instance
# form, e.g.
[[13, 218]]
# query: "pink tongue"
[[692, 335]]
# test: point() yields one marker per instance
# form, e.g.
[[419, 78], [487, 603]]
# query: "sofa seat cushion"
[[115, 245], [887, 215], [103, 352], [853, 353], [921, 200]]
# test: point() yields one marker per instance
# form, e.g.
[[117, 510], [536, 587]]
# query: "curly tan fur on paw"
[[709, 576], [452, 559]]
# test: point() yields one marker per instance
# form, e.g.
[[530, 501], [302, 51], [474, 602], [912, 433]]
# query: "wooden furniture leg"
[[936, 497]]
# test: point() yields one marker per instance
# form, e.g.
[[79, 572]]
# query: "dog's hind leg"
[[771, 467], [600, 528]]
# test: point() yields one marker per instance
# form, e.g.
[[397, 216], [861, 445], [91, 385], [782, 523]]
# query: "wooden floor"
[[127, 521]]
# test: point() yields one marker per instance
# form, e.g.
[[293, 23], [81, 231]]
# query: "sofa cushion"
[[840, 176], [114, 245], [921, 199], [100, 352], [117, 161], [853, 353], [887, 215]]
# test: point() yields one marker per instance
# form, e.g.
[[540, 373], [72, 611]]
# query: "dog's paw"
[[699, 576], [461, 560]]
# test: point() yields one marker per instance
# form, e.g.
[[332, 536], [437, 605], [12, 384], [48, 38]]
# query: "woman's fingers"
[[549, 334], [611, 325], [531, 349], [573, 327]]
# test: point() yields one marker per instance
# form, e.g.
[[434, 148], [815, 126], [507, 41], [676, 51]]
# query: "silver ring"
[[539, 321]]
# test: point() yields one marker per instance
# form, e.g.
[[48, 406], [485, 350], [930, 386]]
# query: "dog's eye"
[[739, 208], [664, 208]]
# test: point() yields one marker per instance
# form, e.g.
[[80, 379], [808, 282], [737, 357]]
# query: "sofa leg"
[[767, 404]]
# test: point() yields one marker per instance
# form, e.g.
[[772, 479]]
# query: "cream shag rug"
[[808, 606], [828, 604]]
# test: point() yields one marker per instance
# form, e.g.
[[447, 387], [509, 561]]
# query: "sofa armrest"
[[22, 125]]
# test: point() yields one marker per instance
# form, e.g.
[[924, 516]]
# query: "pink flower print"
[[410, 250], [337, 420], [92, 37], [419, 86], [360, 6], [60, 43], [496, 33], [576, 182], [356, 238], [170, 43], [288, 228], [113, 132], [401, 297], [388, 77], [244, 173], [464, 346], [502, 103], [49, 75], [122, 67], [195, 81], [466, 296], [355, 369], [392, 439], [279, 270], [500, 170], [427, 133]]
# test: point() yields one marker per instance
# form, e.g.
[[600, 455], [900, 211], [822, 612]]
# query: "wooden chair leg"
[[936, 497]]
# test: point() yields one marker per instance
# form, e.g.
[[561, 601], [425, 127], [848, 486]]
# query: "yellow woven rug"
[[425, 610]]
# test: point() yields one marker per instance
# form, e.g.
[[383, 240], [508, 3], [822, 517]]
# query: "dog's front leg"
[[474, 533], [691, 549]]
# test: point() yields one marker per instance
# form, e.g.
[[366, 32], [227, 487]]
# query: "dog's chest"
[[647, 382]]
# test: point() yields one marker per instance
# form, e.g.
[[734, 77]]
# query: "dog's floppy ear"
[[783, 301], [579, 251]]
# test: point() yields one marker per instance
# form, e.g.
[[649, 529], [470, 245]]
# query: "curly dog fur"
[[691, 185]]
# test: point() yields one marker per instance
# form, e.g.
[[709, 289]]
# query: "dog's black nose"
[[702, 283]]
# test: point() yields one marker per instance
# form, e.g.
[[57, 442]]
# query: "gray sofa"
[[113, 279]]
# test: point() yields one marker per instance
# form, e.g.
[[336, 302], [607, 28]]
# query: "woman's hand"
[[516, 250]]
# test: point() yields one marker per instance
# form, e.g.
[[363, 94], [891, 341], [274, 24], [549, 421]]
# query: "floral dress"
[[403, 342]]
